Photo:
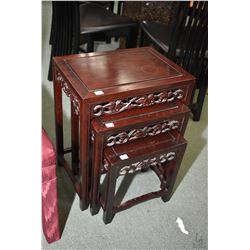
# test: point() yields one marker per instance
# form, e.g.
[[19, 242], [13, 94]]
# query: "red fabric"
[[50, 220]]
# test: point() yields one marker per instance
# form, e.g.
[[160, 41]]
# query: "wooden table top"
[[103, 73]]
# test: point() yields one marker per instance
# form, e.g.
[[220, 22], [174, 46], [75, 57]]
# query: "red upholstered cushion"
[[48, 151], [50, 219], [48, 158]]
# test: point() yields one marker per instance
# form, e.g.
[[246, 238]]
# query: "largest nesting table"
[[106, 83]]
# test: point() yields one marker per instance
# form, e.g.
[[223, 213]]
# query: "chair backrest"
[[189, 36]]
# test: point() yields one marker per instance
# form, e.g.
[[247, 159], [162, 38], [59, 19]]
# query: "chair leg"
[[52, 29], [109, 213], [161, 50], [145, 39], [108, 40], [197, 108], [111, 7], [131, 38], [90, 46], [141, 38], [120, 7]]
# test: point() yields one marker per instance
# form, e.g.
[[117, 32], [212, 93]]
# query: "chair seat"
[[94, 18]]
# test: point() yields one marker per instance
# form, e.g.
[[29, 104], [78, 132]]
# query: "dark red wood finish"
[[129, 79], [137, 124], [74, 140], [162, 153]]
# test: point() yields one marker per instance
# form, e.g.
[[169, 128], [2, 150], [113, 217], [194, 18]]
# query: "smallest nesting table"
[[162, 153], [108, 83]]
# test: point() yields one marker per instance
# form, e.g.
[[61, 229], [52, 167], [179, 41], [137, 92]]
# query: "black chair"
[[76, 23], [105, 4], [97, 23], [185, 41]]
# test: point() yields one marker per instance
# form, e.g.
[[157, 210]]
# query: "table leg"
[[109, 213], [171, 172], [84, 158], [95, 185], [74, 140], [58, 116], [169, 177]]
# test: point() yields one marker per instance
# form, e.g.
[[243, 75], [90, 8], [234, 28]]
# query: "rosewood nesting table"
[[106, 83], [162, 153], [138, 124]]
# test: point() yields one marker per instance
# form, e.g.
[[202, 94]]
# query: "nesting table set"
[[129, 112]]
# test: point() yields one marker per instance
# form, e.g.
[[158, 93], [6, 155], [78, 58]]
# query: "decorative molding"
[[119, 106], [145, 164], [134, 134], [69, 93]]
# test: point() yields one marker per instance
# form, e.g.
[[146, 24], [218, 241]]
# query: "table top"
[[110, 72]]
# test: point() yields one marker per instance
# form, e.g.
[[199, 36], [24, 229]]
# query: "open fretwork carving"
[[124, 137], [69, 93], [119, 106], [145, 164]]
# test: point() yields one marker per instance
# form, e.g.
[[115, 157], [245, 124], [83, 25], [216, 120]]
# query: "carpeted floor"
[[150, 225]]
